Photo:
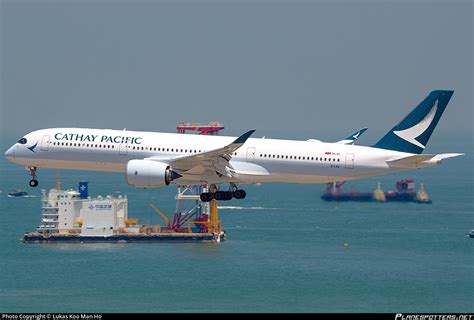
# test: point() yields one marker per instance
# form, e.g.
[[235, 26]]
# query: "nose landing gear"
[[33, 182]]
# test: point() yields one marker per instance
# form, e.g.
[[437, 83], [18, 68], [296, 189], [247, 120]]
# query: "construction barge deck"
[[35, 237]]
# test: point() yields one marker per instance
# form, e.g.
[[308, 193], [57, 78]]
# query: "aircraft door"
[[349, 161], [45, 143], [123, 148], [251, 154]]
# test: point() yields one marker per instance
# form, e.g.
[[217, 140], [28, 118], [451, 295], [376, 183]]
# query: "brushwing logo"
[[414, 132], [32, 148]]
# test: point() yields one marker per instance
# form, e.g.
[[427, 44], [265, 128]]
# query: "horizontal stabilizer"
[[443, 156], [421, 160]]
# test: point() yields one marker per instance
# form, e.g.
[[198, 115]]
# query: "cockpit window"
[[22, 141]]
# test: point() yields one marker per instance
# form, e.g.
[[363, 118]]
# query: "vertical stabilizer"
[[413, 132]]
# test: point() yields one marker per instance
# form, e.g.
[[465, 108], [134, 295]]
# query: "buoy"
[[379, 195], [421, 195]]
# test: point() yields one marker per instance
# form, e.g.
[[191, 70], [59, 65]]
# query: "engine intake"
[[149, 174]]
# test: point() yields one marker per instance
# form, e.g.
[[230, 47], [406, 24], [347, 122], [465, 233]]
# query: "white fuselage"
[[279, 160]]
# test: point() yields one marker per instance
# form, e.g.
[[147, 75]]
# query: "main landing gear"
[[223, 195], [33, 182]]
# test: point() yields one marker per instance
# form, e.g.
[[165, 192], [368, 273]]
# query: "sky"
[[296, 69]]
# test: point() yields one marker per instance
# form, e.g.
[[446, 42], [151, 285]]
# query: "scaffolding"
[[191, 214], [212, 128]]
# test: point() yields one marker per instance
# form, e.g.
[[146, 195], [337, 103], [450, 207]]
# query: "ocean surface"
[[287, 250]]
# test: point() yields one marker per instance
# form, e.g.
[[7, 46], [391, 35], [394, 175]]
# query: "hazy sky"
[[300, 69]]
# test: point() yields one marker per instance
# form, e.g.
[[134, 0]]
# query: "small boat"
[[471, 233], [18, 193]]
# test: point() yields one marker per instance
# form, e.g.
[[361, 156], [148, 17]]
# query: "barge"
[[405, 192], [70, 216]]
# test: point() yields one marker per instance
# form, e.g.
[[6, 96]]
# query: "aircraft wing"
[[351, 139], [421, 160], [216, 160]]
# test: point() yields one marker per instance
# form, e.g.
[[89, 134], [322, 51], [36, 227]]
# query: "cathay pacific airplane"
[[154, 160]]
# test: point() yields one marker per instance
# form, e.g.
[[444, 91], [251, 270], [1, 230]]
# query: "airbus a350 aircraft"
[[154, 160]]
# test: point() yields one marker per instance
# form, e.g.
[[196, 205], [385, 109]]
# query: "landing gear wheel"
[[34, 183], [239, 194], [206, 197], [223, 195]]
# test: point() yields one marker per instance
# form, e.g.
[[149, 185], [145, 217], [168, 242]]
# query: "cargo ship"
[[74, 216], [405, 192]]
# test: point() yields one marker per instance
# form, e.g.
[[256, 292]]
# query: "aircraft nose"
[[10, 154]]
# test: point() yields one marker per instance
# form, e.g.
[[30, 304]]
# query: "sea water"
[[287, 250]]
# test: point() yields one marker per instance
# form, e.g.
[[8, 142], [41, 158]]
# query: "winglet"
[[351, 139], [244, 137]]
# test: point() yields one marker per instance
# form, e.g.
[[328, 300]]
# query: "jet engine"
[[149, 174]]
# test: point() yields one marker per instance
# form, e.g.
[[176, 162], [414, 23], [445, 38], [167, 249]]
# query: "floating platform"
[[34, 237], [71, 216]]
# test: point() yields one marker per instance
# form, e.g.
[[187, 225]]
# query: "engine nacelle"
[[149, 174]]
